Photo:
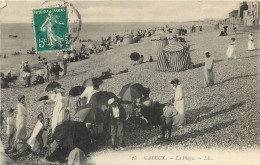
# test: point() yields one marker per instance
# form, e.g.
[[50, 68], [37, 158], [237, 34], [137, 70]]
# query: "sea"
[[93, 31]]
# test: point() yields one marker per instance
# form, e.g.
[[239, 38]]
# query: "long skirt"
[[21, 130], [179, 119], [59, 116], [230, 52], [251, 45], [209, 77], [20, 140]]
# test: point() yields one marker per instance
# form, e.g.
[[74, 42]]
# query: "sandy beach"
[[224, 116]]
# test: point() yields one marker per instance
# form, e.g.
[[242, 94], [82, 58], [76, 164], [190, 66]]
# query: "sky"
[[128, 11]]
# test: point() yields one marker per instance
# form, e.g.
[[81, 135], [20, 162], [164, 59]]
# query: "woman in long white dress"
[[178, 102], [21, 131], [251, 45], [231, 49], [61, 109]]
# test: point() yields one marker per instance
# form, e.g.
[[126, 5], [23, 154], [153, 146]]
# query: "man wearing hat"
[[208, 70], [117, 116]]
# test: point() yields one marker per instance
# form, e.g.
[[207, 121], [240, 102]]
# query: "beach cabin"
[[158, 44], [174, 58], [128, 39]]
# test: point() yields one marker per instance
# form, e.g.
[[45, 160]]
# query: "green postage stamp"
[[51, 29]]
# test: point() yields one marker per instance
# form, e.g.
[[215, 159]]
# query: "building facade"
[[252, 15]]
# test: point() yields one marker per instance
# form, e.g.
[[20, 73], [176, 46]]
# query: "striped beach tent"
[[174, 58], [158, 44]]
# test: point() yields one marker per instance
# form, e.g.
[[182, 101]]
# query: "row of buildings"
[[248, 14]]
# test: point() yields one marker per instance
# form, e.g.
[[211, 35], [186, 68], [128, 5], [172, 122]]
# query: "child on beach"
[[151, 59], [39, 137], [141, 59], [10, 130], [46, 134], [231, 49], [167, 119]]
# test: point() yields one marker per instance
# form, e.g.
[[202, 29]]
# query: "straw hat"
[[20, 97], [111, 101]]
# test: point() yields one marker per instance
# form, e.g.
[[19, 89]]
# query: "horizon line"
[[129, 21]]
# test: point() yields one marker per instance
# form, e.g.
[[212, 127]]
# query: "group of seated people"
[[74, 56], [223, 32], [5, 80]]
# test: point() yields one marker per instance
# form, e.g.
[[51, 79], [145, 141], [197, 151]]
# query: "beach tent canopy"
[[175, 46], [175, 57]]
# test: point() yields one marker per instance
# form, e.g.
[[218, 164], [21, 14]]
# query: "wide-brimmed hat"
[[20, 97], [9, 112], [111, 101]]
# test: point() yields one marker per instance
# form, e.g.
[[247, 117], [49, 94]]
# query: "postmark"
[[51, 29], [74, 16]]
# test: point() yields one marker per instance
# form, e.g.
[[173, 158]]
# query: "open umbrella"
[[90, 115], [92, 82], [101, 98], [225, 27], [52, 85], [67, 136], [76, 91], [132, 91], [135, 56], [85, 114]]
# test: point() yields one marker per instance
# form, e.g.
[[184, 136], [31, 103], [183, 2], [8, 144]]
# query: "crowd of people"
[[114, 116], [40, 139], [52, 72]]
